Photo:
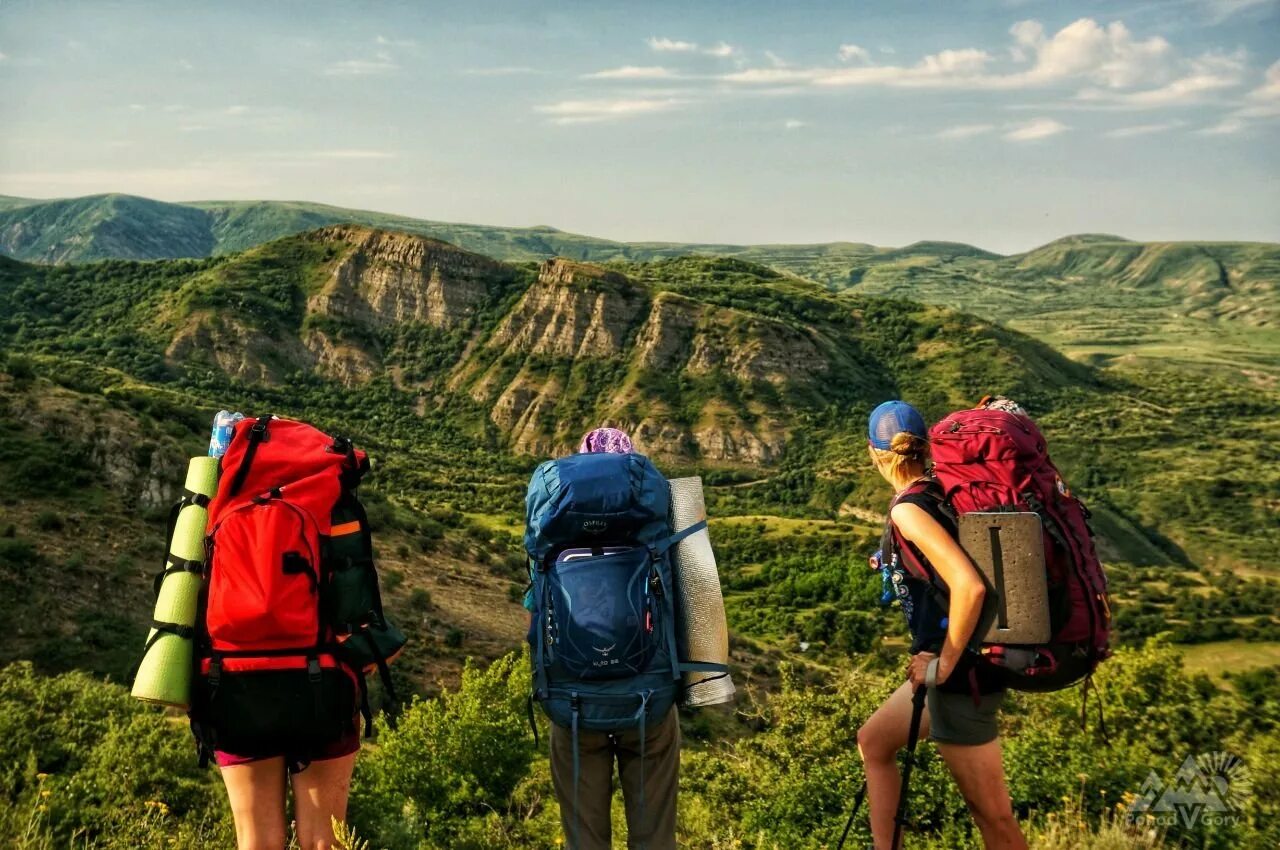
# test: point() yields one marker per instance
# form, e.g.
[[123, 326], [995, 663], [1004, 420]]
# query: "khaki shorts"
[[955, 719]]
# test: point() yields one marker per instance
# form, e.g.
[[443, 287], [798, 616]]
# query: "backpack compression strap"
[[257, 434]]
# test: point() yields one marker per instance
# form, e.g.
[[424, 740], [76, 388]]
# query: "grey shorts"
[[954, 719]]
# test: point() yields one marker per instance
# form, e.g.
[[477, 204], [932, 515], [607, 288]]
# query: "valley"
[[459, 371]]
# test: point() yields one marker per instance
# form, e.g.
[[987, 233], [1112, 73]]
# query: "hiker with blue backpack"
[[602, 631], [973, 477]]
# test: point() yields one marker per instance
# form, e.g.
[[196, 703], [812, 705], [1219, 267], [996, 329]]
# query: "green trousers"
[[650, 828]]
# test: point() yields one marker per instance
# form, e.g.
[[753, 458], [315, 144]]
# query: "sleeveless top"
[[925, 603]]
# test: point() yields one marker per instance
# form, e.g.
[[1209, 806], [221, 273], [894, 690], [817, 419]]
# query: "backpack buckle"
[[313, 669], [215, 672], [258, 430]]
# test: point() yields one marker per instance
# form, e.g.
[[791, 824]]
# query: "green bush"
[[450, 764]]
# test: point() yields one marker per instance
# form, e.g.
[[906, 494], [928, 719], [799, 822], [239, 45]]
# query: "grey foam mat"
[[1008, 549], [702, 631]]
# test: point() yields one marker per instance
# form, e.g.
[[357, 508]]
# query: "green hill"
[[1098, 297]]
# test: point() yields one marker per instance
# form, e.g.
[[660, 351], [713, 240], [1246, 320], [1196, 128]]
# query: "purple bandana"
[[606, 440]]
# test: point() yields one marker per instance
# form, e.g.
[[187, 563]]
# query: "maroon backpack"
[[994, 460]]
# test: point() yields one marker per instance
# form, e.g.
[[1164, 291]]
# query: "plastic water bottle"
[[223, 426]]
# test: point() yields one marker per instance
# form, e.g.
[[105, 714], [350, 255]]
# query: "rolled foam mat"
[[702, 633], [164, 675]]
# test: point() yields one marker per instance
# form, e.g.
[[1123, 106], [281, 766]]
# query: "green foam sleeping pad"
[[164, 675]]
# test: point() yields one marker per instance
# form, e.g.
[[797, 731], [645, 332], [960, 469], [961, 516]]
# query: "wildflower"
[[41, 777]]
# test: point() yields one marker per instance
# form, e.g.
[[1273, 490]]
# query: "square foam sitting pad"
[[1008, 549]]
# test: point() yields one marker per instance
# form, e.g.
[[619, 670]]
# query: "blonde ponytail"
[[904, 461]]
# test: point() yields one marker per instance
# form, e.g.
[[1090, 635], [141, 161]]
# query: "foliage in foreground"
[[82, 765]]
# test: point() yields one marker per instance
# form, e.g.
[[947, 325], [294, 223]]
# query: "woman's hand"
[[918, 669]]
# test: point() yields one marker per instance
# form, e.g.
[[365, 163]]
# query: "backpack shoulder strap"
[[930, 489]]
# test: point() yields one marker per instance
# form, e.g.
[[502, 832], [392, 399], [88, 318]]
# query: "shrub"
[[48, 521]]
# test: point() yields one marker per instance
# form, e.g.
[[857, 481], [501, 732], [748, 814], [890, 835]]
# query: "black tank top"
[[927, 620]]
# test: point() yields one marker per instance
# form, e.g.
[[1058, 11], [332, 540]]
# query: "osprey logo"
[[594, 526], [605, 660]]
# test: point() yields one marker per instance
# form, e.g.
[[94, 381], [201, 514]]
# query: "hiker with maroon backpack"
[[989, 464], [290, 621]]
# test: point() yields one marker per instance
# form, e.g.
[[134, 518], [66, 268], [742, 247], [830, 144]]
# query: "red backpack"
[[290, 619], [994, 460]]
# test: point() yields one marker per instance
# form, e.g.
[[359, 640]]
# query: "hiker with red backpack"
[[289, 622], [979, 468]]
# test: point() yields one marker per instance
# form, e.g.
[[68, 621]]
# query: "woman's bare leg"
[[979, 773], [319, 795], [879, 740], [256, 792]]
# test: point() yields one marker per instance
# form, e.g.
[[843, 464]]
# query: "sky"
[[1001, 123]]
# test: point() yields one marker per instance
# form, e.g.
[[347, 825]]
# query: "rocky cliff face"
[[393, 278], [574, 310], [239, 349], [146, 469], [590, 346], [693, 377]]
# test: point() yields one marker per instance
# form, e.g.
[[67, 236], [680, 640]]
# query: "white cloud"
[[1220, 10], [137, 107], [186, 65], [594, 111], [1264, 101], [194, 180], [771, 75], [352, 153], [1142, 130], [1103, 61], [1207, 73], [849, 52], [1225, 127], [632, 72], [2, 56], [383, 41], [943, 69], [966, 131], [668, 45], [238, 109], [500, 71], [381, 63], [1036, 128], [775, 60], [794, 124], [722, 49]]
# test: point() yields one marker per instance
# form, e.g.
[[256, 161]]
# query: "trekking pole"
[[917, 711], [857, 804]]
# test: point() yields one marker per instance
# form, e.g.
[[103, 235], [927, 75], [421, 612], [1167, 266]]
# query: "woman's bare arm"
[[954, 567]]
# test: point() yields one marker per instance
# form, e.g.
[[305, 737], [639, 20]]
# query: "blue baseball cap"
[[891, 418]]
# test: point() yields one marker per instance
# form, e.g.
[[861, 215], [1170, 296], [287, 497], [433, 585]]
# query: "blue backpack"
[[603, 632]]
